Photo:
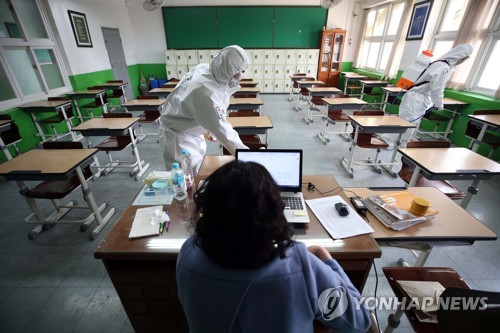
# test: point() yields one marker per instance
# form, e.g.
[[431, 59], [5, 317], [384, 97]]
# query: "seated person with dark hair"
[[242, 272]]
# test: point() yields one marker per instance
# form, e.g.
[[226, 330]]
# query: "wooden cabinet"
[[330, 56]]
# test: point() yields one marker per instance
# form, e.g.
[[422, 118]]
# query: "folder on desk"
[[146, 222]]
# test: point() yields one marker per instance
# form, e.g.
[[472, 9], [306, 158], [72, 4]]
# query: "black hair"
[[238, 218]]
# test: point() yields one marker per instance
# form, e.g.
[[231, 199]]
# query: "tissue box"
[[158, 175]]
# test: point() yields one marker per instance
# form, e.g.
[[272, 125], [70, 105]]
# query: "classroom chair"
[[118, 143], [54, 190], [443, 185], [333, 117], [449, 320], [58, 118], [97, 103], [252, 141], [148, 117], [303, 95], [472, 131], [11, 136]]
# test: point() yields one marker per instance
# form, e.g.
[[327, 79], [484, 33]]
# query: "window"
[[379, 36], [486, 79], [29, 58], [446, 31]]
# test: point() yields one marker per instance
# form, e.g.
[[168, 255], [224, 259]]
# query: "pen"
[[166, 225], [161, 227]]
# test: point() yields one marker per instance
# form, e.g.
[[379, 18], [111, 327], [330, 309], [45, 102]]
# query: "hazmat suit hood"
[[230, 61], [455, 56]]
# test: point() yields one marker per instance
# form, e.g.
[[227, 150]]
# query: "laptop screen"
[[284, 165]]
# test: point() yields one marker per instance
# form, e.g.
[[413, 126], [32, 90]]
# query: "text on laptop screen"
[[284, 166]]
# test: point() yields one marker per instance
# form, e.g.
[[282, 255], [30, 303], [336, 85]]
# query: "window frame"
[[30, 44]]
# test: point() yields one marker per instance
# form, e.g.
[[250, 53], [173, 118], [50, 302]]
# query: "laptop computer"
[[285, 166]]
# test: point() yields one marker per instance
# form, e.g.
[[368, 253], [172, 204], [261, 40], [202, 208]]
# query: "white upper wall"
[[143, 32]]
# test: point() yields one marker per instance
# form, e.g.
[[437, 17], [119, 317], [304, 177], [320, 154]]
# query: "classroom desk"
[[248, 83], [318, 92], [451, 164], [450, 106], [51, 106], [144, 104], [294, 86], [388, 92], [170, 84], [244, 104], [114, 127], [251, 125], [114, 86], [161, 92], [488, 122], [5, 125], [371, 84], [352, 76], [55, 164], [90, 93], [143, 270], [376, 124], [246, 92], [344, 103], [303, 84]]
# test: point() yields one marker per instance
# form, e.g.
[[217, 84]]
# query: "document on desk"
[[338, 226], [146, 222]]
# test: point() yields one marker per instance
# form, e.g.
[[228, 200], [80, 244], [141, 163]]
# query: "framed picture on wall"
[[419, 19], [80, 29]]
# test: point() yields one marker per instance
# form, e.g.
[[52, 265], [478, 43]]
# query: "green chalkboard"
[[298, 26], [190, 27], [249, 27]]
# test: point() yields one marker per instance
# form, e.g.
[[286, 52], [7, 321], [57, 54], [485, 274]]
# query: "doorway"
[[116, 56]]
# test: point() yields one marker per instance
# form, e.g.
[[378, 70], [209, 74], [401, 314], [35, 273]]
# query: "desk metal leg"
[[448, 126], [141, 165], [38, 127], [69, 125], [347, 164], [386, 101], [5, 149], [471, 191], [390, 168], [477, 142], [414, 176], [78, 111]]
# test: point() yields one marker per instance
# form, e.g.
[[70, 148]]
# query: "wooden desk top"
[[248, 83], [323, 89], [46, 104], [112, 84], [211, 163], [305, 82], [452, 222], [86, 92], [373, 82], [144, 102], [249, 90], [5, 122], [450, 160], [394, 89], [451, 101], [296, 77], [106, 123], [353, 75], [169, 84], [258, 122], [46, 161], [161, 90], [117, 245], [253, 101], [379, 121], [490, 119], [343, 100]]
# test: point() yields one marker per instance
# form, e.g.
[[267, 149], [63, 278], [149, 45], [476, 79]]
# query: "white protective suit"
[[198, 104], [428, 90]]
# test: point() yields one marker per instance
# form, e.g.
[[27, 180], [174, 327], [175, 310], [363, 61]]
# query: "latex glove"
[[209, 137]]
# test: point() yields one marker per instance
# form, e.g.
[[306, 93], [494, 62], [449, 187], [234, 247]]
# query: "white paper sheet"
[[145, 223], [338, 226]]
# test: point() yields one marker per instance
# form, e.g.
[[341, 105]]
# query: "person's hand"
[[209, 137], [320, 252]]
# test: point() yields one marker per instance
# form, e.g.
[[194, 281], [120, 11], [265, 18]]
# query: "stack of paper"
[[393, 210], [338, 226], [146, 222]]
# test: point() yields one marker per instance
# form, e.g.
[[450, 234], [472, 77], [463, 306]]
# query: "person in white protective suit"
[[428, 89], [198, 105]]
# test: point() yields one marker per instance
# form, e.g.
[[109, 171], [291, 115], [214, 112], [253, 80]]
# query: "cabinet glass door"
[[326, 56], [337, 52]]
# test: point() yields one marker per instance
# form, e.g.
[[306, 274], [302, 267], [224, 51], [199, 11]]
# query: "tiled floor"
[[53, 283]]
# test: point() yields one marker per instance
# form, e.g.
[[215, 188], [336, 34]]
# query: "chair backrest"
[[462, 317], [117, 115], [12, 135], [115, 81], [244, 113], [428, 144], [368, 113], [62, 145], [148, 97]]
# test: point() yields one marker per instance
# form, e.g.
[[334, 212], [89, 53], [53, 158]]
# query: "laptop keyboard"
[[292, 203]]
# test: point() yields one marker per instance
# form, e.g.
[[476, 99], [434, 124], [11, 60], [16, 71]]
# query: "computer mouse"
[[342, 208]]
